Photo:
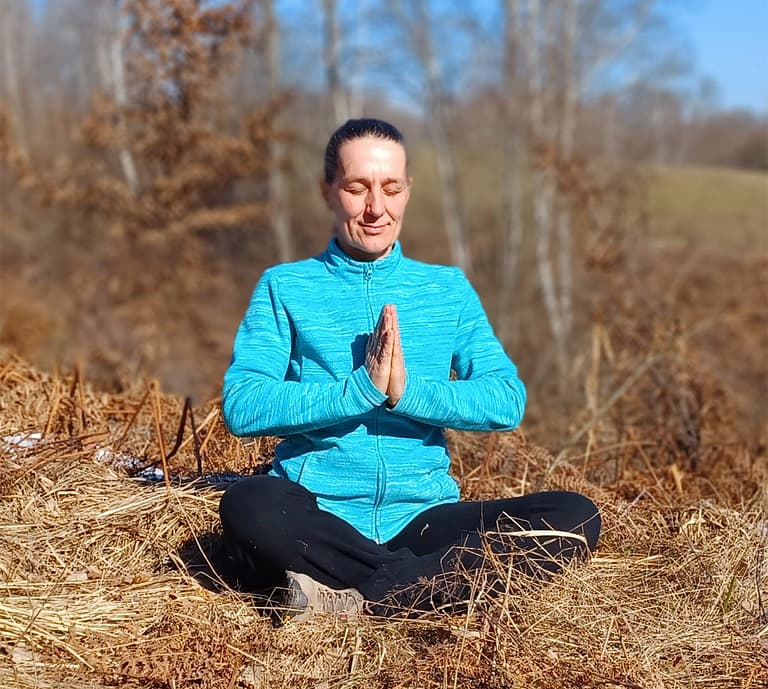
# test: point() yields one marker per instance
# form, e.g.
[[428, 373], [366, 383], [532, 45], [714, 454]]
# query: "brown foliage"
[[162, 169], [167, 127]]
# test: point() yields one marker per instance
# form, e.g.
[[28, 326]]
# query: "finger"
[[371, 345], [378, 344], [397, 351], [381, 323], [387, 342], [378, 360]]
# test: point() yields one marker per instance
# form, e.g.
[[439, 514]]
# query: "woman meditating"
[[360, 358]]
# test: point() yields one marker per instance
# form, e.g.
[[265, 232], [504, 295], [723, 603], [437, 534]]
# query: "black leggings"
[[272, 525]]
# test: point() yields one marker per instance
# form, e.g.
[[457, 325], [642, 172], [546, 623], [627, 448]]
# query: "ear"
[[325, 191]]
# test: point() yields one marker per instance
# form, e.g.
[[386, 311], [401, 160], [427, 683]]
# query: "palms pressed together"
[[384, 356]]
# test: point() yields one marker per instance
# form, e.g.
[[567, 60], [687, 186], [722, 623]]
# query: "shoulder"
[[297, 276], [304, 268], [435, 272]]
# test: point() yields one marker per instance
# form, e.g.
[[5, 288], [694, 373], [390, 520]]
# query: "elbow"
[[232, 419], [521, 398], [238, 413], [515, 405]]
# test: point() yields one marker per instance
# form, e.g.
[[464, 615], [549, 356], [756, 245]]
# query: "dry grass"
[[105, 579]]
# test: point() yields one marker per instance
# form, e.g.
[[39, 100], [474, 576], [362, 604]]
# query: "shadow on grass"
[[205, 559]]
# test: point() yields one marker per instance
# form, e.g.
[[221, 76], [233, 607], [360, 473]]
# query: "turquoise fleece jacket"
[[298, 371]]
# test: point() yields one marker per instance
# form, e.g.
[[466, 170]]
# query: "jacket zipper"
[[380, 469]]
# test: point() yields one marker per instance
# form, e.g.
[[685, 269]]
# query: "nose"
[[375, 201]]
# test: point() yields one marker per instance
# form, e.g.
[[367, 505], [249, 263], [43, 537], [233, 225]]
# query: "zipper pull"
[[368, 271]]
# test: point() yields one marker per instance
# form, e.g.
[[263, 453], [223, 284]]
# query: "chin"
[[378, 249], [372, 246]]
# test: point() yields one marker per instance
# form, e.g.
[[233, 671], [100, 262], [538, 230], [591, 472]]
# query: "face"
[[368, 196]]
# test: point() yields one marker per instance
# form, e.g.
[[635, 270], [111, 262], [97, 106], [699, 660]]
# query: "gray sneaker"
[[303, 596]]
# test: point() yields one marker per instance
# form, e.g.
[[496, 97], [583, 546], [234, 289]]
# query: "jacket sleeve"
[[257, 397], [487, 394]]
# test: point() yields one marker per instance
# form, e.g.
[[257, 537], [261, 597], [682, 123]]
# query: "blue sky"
[[729, 40], [730, 43]]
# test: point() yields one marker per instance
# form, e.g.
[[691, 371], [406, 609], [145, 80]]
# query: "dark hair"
[[356, 129]]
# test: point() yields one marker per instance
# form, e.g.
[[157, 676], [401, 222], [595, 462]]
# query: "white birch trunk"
[[11, 72], [106, 27], [279, 217], [332, 54], [514, 165], [115, 60], [356, 87], [544, 195], [450, 194], [567, 127]]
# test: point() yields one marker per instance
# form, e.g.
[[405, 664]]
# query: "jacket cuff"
[[411, 402], [363, 386]]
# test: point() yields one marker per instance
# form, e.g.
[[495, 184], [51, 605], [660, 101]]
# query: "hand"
[[384, 356], [397, 368], [378, 351]]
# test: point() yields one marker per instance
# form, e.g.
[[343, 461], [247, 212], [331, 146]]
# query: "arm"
[[487, 395], [258, 400]]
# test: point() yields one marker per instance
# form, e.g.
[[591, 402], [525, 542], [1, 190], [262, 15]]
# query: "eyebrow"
[[388, 180]]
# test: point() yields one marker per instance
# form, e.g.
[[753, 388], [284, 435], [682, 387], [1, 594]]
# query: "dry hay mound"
[[108, 581]]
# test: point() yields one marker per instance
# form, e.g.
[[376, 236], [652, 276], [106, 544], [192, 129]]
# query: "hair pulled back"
[[356, 129]]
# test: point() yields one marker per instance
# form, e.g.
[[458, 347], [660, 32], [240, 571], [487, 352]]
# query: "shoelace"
[[337, 601]]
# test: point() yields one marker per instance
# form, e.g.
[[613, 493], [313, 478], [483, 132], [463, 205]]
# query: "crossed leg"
[[272, 525]]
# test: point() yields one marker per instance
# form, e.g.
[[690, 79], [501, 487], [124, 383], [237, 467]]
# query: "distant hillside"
[[717, 206]]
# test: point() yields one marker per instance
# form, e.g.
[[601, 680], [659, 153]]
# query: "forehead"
[[369, 155]]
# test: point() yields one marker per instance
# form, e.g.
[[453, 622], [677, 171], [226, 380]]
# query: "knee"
[[255, 505], [583, 516]]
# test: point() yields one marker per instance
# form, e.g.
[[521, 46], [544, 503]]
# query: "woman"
[[360, 357]]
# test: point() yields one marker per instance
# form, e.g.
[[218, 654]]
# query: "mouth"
[[373, 229]]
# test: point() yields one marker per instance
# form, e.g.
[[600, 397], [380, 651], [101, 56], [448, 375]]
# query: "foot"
[[303, 596]]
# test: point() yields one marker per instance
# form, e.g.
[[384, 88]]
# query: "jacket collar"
[[338, 261]]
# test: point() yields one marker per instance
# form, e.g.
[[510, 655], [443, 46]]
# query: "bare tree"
[[279, 211], [12, 16], [156, 118], [346, 94], [555, 62], [543, 181], [570, 90], [416, 27], [515, 167], [332, 57], [356, 84], [111, 61]]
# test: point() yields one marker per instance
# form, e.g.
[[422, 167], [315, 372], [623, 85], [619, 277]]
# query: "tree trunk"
[[544, 191], [450, 200], [112, 69], [567, 126], [10, 28], [514, 156], [332, 50], [450, 194], [279, 212], [356, 86]]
